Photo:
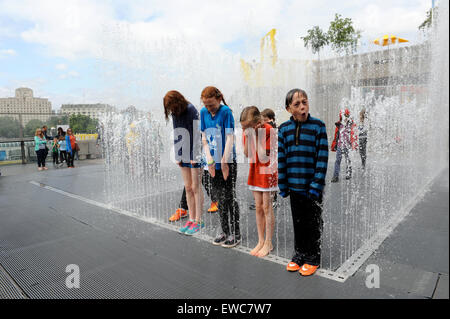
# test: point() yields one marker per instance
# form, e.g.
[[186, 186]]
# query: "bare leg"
[[269, 220], [187, 178], [198, 193], [260, 222]]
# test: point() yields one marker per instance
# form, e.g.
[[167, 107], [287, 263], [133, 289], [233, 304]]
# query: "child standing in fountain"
[[188, 155], [217, 127], [302, 166], [262, 176]]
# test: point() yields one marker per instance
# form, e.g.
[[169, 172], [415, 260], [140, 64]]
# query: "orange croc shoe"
[[308, 270], [180, 213], [292, 266], [214, 207]]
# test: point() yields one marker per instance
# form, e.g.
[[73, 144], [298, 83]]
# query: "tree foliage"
[[342, 35], [31, 126], [56, 121], [316, 39], [82, 124], [9, 127], [431, 15]]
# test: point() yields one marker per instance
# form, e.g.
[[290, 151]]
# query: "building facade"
[[92, 110], [25, 104]]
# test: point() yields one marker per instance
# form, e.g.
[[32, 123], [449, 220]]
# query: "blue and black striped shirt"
[[302, 156]]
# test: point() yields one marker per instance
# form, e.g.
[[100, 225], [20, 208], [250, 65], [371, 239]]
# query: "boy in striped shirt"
[[302, 166]]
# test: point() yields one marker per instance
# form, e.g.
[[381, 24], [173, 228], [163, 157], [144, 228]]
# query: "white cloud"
[[7, 52], [61, 66], [145, 47], [69, 75]]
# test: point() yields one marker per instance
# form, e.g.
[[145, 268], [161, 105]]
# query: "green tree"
[[431, 15], [342, 35], [31, 126], [56, 121], [9, 127], [82, 124], [315, 40]]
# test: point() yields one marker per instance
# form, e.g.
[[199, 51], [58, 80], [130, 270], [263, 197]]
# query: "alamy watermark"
[[373, 279], [73, 280]]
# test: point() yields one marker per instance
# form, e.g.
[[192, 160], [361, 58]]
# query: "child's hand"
[[212, 169], [284, 194], [314, 195], [225, 170]]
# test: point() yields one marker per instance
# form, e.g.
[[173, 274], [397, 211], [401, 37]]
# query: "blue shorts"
[[196, 165]]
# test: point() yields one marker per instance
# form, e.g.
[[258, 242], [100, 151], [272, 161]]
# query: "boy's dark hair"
[[269, 113], [291, 94]]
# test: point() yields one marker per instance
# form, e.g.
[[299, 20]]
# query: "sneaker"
[[335, 179], [185, 227], [44, 168], [232, 241], [308, 270], [252, 206], [194, 228], [292, 266], [219, 240], [214, 207], [180, 213], [348, 177]]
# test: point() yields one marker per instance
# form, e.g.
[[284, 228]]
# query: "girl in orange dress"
[[260, 146]]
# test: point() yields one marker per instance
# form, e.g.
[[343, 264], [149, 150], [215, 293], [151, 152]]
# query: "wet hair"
[[269, 113], [174, 104], [363, 113], [250, 114], [291, 93], [211, 91]]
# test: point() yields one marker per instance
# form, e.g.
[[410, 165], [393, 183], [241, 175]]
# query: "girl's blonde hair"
[[250, 114], [36, 133]]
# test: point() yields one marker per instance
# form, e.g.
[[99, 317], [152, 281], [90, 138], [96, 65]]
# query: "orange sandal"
[[292, 266], [308, 270], [180, 213], [214, 208]]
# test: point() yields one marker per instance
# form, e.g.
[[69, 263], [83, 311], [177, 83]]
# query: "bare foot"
[[254, 251], [265, 250]]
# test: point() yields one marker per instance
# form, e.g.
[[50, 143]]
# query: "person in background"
[[47, 137], [70, 146], [344, 141], [302, 168], [62, 150], [362, 137], [40, 144], [54, 151], [268, 116]]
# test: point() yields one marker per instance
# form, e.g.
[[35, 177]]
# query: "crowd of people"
[[63, 147], [291, 159]]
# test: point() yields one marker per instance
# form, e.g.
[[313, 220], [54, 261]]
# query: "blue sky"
[[125, 52]]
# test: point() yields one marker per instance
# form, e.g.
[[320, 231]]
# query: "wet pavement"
[[43, 231]]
